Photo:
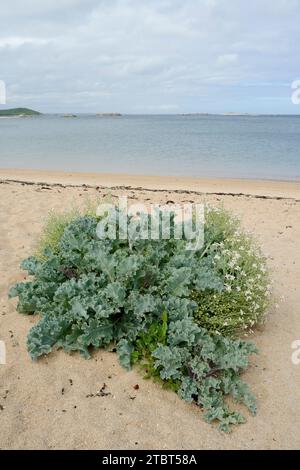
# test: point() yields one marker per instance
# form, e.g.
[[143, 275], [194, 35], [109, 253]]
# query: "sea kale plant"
[[175, 312]]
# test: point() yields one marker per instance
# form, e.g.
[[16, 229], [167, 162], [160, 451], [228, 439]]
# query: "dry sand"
[[44, 405]]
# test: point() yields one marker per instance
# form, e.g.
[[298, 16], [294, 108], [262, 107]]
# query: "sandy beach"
[[45, 404]]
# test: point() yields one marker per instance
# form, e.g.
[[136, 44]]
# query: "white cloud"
[[18, 41], [134, 53]]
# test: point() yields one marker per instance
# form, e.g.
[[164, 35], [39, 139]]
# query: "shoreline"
[[270, 189]]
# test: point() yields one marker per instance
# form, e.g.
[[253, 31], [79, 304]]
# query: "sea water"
[[263, 147]]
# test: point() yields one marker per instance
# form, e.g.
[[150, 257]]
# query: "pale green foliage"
[[91, 203], [142, 296], [56, 222], [205, 368], [53, 230]]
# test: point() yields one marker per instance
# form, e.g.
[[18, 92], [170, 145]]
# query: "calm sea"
[[266, 147]]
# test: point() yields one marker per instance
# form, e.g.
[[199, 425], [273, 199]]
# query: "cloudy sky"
[[150, 56]]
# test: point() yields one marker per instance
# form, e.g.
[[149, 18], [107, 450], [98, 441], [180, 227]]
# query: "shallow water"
[[266, 147]]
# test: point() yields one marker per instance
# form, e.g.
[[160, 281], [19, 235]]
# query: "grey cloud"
[[131, 55]]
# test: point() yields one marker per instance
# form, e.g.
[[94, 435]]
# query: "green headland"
[[18, 112]]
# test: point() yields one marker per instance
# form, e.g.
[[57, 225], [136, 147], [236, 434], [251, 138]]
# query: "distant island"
[[194, 114], [108, 114], [19, 112], [236, 114], [218, 114]]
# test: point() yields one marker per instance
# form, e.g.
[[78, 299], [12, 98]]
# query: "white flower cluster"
[[245, 273]]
